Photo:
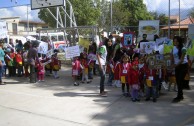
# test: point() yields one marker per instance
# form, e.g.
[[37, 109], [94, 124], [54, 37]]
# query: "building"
[[15, 26], [177, 26]]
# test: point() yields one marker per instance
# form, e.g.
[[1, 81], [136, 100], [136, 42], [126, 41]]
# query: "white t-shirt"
[[103, 56], [176, 57]]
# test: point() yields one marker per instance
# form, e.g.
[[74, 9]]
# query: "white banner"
[[147, 47], [3, 29], [149, 27], [72, 51], [43, 47]]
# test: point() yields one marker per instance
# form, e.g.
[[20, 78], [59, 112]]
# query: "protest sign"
[[84, 42], [151, 61], [49, 53], [167, 59], [72, 51], [128, 38], [190, 50], [43, 48], [91, 56], [3, 29], [149, 27], [147, 47]]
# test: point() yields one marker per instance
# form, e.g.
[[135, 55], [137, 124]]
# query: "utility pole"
[[169, 19]]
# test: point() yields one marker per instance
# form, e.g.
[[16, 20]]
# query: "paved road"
[[56, 102]]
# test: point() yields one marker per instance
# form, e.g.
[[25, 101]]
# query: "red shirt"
[[133, 77], [124, 70]]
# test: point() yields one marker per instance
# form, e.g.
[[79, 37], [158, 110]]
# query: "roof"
[[183, 24], [4, 18], [174, 17], [32, 22]]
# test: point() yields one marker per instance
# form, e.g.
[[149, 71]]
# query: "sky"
[[152, 5]]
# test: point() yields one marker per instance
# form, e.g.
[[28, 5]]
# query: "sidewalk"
[[56, 102]]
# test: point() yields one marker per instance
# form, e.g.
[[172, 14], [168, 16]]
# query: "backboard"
[[38, 4]]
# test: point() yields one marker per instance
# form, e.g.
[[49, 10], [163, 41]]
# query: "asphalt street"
[[56, 102]]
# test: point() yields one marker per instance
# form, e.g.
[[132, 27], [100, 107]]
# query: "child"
[[84, 63], [151, 84], [56, 64], [134, 81], [142, 69], [116, 74], [171, 79], [76, 68], [125, 67], [19, 62], [41, 71]]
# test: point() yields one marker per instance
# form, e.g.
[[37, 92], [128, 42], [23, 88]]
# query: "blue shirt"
[[2, 54]]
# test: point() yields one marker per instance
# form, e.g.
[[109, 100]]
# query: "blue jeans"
[[90, 73], [151, 91], [110, 77], [102, 77]]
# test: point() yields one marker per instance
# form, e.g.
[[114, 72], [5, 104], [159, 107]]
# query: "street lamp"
[[111, 16]]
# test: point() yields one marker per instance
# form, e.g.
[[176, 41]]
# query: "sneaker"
[[133, 100], [103, 94], [89, 82], [76, 84], [177, 99], [147, 99], [154, 100], [82, 82], [42, 80]]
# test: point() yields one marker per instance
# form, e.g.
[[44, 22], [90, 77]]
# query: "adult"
[[117, 53], [101, 65], [180, 63], [19, 45], [143, 40], [32, 59], [109, 46], [2, 62]]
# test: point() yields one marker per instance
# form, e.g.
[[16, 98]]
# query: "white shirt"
[[103, 57], [176, 56]]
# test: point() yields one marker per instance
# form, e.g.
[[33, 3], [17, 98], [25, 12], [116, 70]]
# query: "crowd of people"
[[24, 60], [125, 67], [130, 70]]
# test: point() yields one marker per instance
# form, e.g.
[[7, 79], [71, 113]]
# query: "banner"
[[91, 56], [190, 43], [128, 38], [147, 47], [149, 27], [43, 47], [72, 51], [3, 29], [84, 42]]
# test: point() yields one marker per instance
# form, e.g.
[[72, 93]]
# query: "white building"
[[15, 26]]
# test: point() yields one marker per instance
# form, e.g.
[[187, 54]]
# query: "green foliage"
[[124, 13], [162, 17], [191, 13]]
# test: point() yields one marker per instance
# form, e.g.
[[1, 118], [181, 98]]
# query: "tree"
[[86, 13], [161, 17], [191, 13]]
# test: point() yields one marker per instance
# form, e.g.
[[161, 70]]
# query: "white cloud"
[[20, 12], [163, 5], [5, 13]]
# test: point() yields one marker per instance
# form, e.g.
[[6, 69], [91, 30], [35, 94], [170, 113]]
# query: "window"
[[30, 27], [14, 28]]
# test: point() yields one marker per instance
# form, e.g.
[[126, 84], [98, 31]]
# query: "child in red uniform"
[[134, 81], [116, 74], [76, 68], [41, 71], [125, 67], [56, 65], [151, 84], [19, 63], [142, 69], [84, 63]]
